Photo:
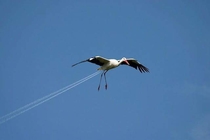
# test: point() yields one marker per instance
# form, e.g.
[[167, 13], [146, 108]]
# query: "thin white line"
[[44, 99]]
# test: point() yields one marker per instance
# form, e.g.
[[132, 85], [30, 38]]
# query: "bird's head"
[[125, 60]]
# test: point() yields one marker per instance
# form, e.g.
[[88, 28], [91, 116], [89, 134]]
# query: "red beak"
[[126, 62]]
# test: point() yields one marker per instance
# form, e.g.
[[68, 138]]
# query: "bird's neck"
[[121, 61]]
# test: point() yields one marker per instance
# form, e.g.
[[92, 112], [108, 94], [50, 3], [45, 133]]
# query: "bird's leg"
[[100, 81], [105, 79]]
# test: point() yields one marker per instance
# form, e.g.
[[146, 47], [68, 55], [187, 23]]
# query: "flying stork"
[[107, 64]]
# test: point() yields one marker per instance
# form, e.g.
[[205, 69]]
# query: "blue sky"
[[40, 40]]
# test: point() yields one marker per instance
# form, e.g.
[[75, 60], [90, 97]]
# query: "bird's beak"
[[126, 62]]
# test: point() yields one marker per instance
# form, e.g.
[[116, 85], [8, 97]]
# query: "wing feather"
[[98, 60], [135, 64]]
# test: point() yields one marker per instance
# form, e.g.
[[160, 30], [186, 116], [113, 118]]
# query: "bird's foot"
[[98, 87], [106, 86]]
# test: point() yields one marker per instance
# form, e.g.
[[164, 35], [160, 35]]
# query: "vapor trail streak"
[[44, 99], [34, 102]]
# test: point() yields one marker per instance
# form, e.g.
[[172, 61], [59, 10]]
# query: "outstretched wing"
[[98, 60], [135, 64]]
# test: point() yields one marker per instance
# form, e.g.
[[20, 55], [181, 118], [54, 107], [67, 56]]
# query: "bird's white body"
[[113, 63]]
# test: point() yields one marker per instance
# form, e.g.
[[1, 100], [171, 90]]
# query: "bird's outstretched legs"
[[105, 79], [103, 73], [100, 81]]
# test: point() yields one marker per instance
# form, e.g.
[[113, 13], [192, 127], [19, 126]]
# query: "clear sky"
[[40, 40]]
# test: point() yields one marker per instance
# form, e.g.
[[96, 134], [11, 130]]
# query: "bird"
[[107, 64]]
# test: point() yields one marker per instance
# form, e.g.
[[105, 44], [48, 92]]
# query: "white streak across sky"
[[44, 99]]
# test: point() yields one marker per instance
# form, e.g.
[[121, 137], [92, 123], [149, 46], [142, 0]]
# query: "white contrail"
[[47, 96], [44, 99]]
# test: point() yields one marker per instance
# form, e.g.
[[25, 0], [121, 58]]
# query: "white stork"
[[107, 64]]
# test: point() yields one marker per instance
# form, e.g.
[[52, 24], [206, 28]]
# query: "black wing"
[[98, 60], [135, 64]]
